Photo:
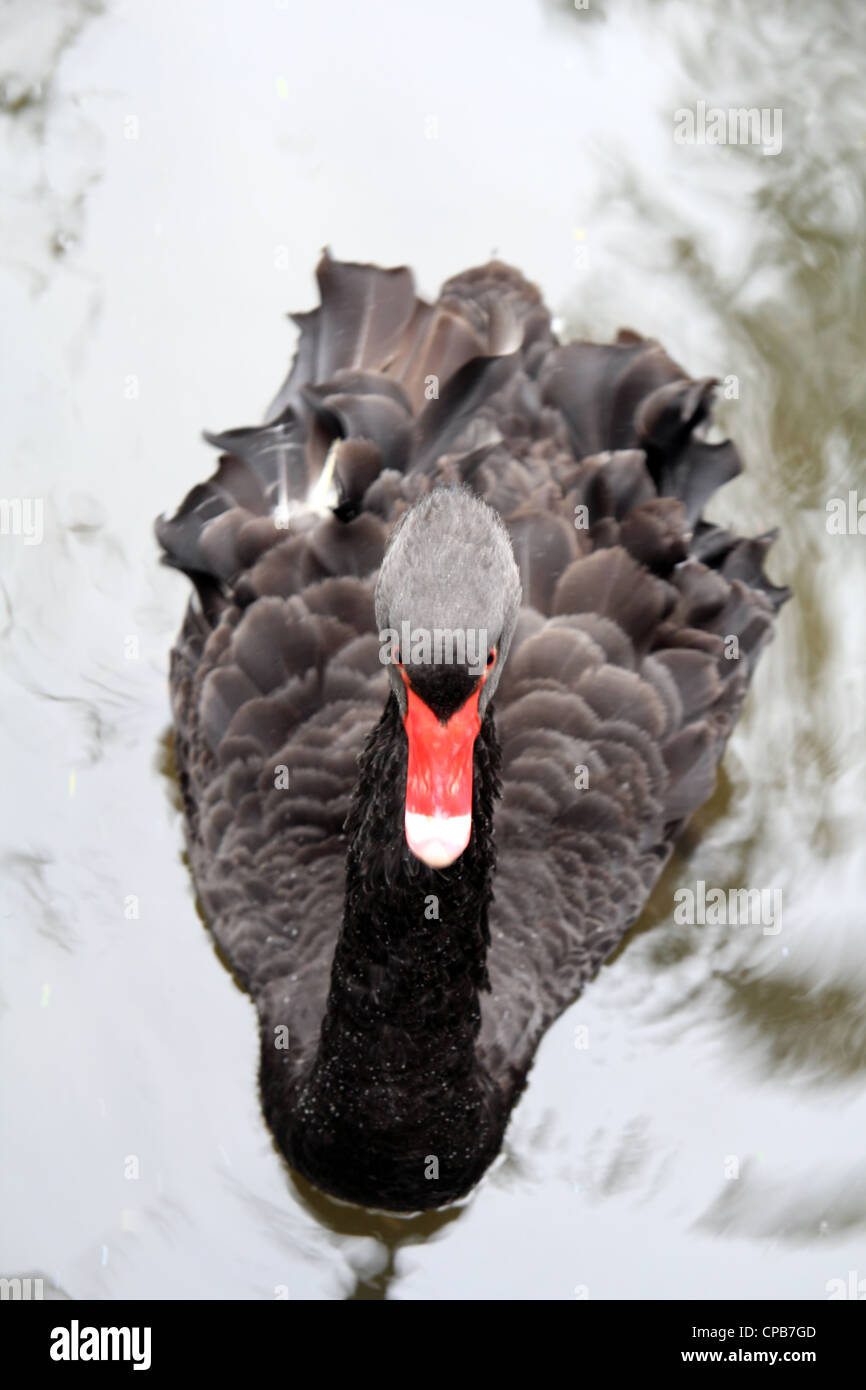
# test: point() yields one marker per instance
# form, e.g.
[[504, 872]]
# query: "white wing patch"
[[321, 499]]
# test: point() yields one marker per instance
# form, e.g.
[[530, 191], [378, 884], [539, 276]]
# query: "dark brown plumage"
[[417, 1042]]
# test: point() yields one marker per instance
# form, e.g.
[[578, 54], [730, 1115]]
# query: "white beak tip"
[[437, 840]]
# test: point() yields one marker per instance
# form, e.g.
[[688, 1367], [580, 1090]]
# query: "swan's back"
[[634, 650]]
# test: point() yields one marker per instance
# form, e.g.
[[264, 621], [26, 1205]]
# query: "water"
[[169, 174]]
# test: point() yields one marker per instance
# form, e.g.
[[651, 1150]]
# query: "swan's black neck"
[[397, 1111]]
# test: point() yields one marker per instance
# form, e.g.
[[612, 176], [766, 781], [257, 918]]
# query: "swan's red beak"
[[439, 779]]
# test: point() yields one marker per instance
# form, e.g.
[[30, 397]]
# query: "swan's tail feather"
[[636, 422], [390, 395], [741, 559], [360, 323], [382, 384]]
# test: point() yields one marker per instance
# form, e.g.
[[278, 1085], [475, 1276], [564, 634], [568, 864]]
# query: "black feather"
[[411, 1033]]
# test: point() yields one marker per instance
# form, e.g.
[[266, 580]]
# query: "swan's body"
[[414, 996]]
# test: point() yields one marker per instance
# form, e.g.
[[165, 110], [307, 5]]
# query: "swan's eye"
[[491, 656]]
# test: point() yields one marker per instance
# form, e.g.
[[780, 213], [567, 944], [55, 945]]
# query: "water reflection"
[[380, 1236]]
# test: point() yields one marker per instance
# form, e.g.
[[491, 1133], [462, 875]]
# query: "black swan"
[[411, 887]]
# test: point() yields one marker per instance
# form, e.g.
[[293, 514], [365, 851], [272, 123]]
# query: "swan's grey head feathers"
[[448, 594]]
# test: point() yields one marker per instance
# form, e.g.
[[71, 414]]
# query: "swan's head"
[[447, 601]]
